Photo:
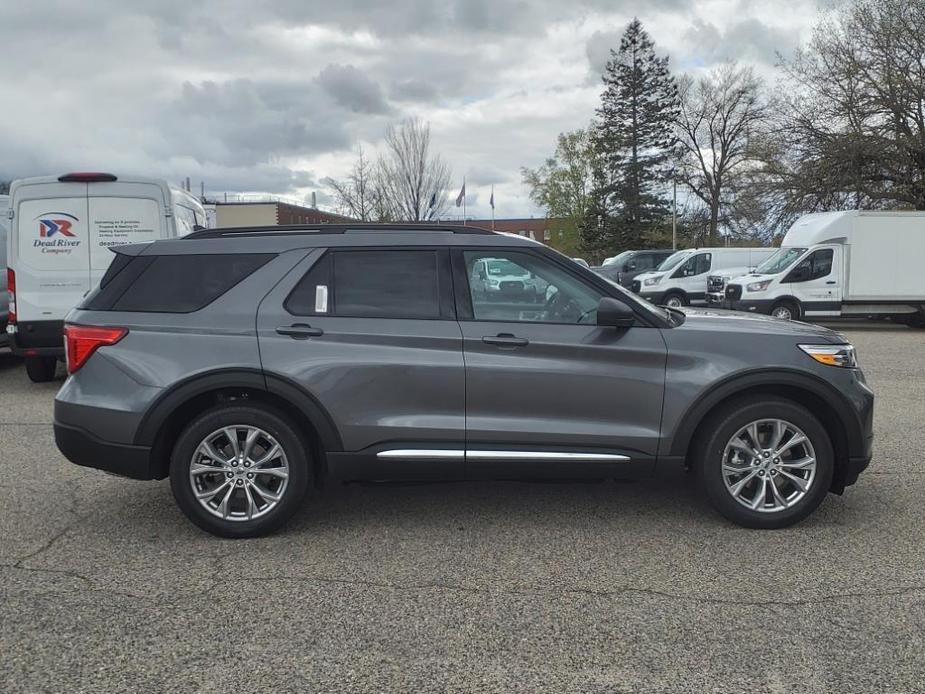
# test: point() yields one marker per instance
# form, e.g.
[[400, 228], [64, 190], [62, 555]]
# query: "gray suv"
[[248, 364]]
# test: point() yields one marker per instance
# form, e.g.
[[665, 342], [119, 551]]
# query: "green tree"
[[562, 186], [634, 137]]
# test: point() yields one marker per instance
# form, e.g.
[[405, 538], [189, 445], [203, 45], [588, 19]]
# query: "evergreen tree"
[[634, 137]]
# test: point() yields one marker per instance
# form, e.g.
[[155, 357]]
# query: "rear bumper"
[[83, 448], [41, 338]]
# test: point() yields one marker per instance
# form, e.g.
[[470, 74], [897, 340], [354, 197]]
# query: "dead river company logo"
[[56, 233]]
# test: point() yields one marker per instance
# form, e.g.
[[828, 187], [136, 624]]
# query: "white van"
[[681, 279], [831, 264], [61, 229], [4, 296]]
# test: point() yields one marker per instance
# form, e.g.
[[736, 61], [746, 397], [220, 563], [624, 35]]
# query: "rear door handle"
[[831, 282], [506, 340], [300, 331]]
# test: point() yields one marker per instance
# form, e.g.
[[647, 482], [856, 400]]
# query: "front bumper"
[[753, 305], [657, 298], [83, 448]]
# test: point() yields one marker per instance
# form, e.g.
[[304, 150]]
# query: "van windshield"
[[617, 258], [673, 260], [780, 261]]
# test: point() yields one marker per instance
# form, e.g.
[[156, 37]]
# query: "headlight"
[[833, 355], [758, 286], [652, 280]]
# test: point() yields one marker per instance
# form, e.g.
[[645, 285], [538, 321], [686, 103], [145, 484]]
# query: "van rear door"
[[121, 213], [50, 250]]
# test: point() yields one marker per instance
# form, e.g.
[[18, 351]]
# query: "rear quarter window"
[[171, 283]]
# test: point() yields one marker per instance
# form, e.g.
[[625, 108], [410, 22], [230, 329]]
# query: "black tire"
[[721, 427], [681, 298], [266, 419], [41, 369], [791, 307]]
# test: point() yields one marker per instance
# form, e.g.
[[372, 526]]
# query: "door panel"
[[820, 294], [387, 383], [533, 384]]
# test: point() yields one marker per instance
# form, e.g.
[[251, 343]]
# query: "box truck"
[[834, 264], [681, 280], [60, 231]]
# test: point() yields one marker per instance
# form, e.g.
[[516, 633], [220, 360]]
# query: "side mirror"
[[613, 313]]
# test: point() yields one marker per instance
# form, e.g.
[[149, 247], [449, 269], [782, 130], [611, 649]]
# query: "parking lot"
[[466, 587]]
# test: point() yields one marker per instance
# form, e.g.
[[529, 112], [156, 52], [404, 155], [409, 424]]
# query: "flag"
[[461, 198], [433, 202], [492, 200]]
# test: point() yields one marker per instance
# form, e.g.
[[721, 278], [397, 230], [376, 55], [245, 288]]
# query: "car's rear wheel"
[[765, 464], [239, 470], [41, 369]]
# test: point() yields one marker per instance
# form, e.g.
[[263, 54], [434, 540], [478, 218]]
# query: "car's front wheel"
[[765, 464], [239, 470]]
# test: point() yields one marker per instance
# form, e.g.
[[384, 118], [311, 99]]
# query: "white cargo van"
[[681, 279], [831, 264], [4, 296], [61, 230]]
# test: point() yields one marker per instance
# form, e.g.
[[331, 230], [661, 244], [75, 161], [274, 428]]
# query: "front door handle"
[[831, 282], [506, 340], [300, 331]]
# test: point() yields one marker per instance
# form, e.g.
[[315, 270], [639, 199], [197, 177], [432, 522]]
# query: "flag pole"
[[492, 206], [465, 215]]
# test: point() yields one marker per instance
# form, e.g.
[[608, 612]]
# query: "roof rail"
[[285, 230]]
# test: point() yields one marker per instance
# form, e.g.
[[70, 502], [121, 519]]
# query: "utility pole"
[[674, 213]]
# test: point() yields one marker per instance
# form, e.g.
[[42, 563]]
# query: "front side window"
[[523, 287], [370, 284], [815, 266], [695, 265]]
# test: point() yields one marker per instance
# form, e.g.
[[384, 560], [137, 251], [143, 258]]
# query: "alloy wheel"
[[783, 313], [239, 473], [769, 465]]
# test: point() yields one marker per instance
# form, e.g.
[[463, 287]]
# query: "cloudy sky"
[[275, 95]]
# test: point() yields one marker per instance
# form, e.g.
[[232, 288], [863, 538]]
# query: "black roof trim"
[[334, 229]]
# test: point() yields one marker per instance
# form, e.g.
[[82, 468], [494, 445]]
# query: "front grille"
[[734, 292], [637, 286], [511, 286], [715, 284]]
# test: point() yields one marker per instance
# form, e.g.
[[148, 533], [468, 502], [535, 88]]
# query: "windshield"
[[673, 260], [506, 268], [780, 261], [617, 258]]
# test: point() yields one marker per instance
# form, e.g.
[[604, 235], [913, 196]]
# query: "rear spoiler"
[[130, 249]]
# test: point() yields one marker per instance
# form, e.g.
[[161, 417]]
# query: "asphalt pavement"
[[599, 587]]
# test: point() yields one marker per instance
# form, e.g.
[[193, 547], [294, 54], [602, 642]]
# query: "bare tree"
[[855, 110], [413, 176], [722, 121], [360, 195]]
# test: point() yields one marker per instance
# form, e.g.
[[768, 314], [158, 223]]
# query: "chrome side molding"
[[459, 454]]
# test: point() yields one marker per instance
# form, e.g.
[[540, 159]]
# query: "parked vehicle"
[[499, 280], [4, 295], [624, 268], [855, 264], [717, 281], [581, 261], [246, 366], [61, 230], [681, 280]]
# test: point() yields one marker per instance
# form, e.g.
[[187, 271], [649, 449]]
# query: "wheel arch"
[[818, 396], [177, 406]]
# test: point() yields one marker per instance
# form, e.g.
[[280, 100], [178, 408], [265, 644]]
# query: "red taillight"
[[11, 293], [87, 177], [81, 341]]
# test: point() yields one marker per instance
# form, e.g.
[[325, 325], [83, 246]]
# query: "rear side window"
[[370, 284], [172, 283]]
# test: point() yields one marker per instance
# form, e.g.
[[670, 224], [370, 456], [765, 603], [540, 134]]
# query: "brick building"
[[271, 213]]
